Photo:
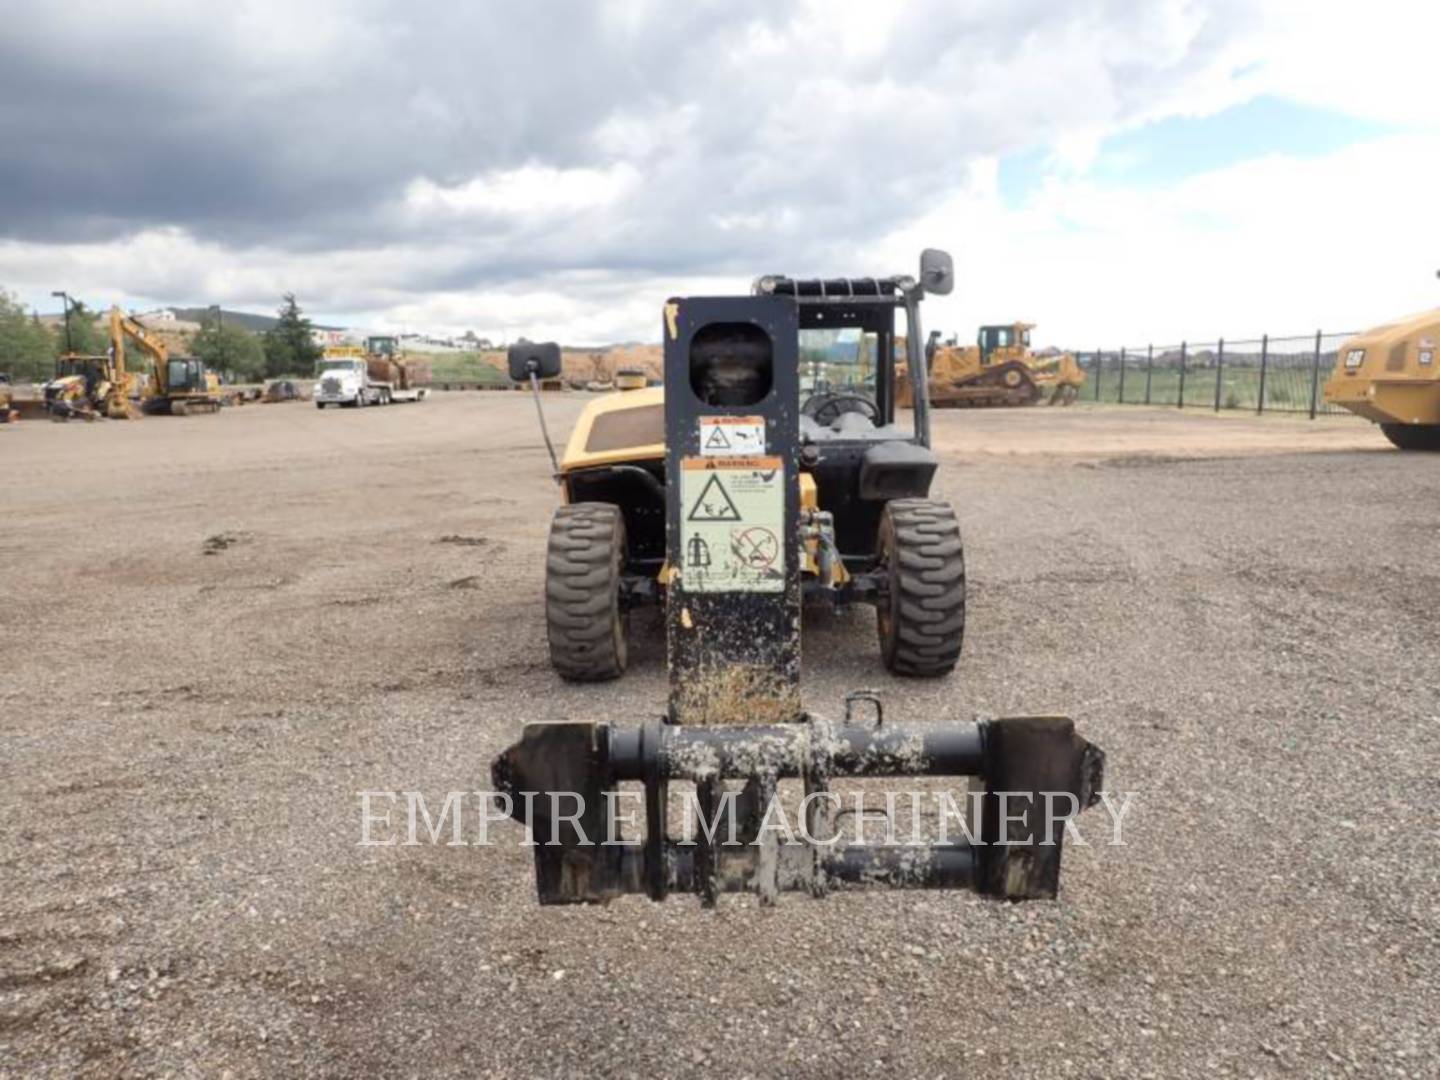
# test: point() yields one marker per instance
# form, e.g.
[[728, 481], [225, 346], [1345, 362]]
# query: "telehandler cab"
[[869, 530], [772, 465]]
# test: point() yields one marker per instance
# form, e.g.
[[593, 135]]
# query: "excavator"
[[176, 385], [999, 369]]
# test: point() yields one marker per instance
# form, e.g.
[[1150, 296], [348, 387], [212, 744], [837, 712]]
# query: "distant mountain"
[[246, 320]]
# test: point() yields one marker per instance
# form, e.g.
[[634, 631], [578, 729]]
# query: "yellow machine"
[[89, 387], [176, 385], [1060, 374], [1389, 375], [999, 369], [631, 379], [7, 413]]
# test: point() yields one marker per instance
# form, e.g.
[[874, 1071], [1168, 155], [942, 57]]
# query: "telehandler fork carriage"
[[736, 564]]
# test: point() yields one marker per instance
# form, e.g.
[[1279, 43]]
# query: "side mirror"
[[530, 358], [937, 271]]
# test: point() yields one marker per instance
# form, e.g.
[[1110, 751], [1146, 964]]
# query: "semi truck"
[[350, 376]]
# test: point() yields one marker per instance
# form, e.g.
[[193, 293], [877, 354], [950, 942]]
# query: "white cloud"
[[376, 167], [1277, 245], [532, 191]]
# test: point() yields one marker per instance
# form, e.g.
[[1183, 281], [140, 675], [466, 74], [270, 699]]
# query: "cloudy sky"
[[1116, 170]]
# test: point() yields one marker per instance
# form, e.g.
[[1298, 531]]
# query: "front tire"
[[921, 616], [586, 625], [1413, 436]]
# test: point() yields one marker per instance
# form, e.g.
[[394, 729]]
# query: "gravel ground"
[[217, 630]]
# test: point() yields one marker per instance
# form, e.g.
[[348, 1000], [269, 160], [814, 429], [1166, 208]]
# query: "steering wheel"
[[828, 408]]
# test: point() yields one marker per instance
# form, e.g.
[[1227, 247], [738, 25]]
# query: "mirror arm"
[[540, 412]]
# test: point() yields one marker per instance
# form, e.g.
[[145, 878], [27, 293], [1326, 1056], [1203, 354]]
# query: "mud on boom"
[[782, 471]]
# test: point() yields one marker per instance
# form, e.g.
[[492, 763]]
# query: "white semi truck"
[[375, 375]]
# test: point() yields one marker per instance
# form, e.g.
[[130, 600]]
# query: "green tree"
[[27, 349], [290, 349], [86, 335], [236, 353]]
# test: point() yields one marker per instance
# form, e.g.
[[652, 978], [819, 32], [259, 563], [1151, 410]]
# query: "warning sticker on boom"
[[732, 436], [733, 519]]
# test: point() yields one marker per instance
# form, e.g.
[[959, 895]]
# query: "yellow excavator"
[[177, 385], [999, 369]]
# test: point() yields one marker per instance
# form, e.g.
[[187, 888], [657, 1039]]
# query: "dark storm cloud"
[[729, 137]]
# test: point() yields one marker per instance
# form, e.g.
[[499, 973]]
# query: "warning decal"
[[714, 503], [732, 436], [733, 520]]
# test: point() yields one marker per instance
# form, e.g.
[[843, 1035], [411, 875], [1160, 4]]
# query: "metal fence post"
[[1180, 398], [1264, 363], [1121, 400], [1099, 360], [1315, 374], [1219, 371], [1149, 366]]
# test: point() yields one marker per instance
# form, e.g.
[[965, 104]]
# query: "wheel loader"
[[1389, 375], [871, 533], [745, 484], [999, 370]]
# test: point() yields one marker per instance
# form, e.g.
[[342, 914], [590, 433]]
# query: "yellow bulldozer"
[[999, 369], [1389, 375]]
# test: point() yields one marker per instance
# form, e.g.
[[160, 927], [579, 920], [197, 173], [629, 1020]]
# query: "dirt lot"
[[216, 631]]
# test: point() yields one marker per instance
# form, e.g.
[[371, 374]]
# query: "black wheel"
[[1413, 436], [583, 618], [921, 617]]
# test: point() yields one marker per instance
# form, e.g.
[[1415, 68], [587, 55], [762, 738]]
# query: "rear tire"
[[584, 620], [921, 617], [1413, 436]]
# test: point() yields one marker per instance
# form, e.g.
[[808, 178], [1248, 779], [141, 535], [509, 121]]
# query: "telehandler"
[[729, 495], [870, 533]]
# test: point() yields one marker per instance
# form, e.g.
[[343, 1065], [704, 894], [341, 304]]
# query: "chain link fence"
[[1268, 374]]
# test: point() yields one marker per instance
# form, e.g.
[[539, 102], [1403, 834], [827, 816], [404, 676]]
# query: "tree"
[[290, 348], [86, 336], [236, 353], [27, 349], [599, 367]]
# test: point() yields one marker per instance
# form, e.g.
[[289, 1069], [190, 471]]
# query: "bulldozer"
[[999, 369], [1388, 375], [729, 496], [8, 414]]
